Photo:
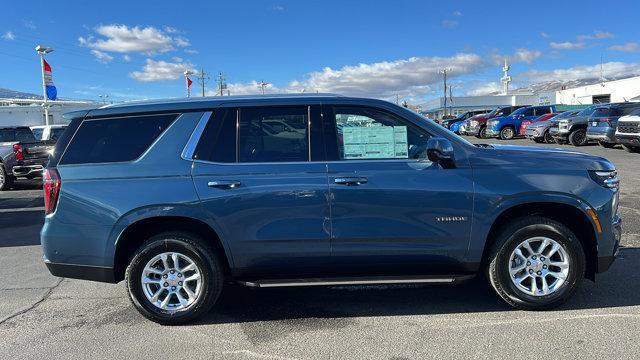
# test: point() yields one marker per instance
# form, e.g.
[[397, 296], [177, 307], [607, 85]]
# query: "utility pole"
[[202, 78], [222, 84], [262, 85], [42, 51], [445, 72]]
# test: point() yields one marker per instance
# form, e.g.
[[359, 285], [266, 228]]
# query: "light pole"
[[262, 85], [42, 51], [188, 73]]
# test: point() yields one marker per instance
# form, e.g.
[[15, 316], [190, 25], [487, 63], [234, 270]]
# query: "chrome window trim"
[[192, 143]]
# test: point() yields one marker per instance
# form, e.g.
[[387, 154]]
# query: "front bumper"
[[492, 132], [631, 140], [473, 130], [533, 133], [558, 134], [605, 260]]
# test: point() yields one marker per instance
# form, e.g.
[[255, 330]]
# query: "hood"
[[533, 157]]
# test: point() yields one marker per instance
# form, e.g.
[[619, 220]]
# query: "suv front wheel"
[[174, 278], [507, 133], [578, 137], [536, 264]]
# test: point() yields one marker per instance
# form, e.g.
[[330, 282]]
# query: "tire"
[[631, 149], [507, 133], [482, 134], [606, 144], [192, 249], [6, 181], [578, 137], [500, 263], [548, 138]]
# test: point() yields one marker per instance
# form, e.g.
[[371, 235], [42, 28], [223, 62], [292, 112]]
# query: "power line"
[[202, 78]]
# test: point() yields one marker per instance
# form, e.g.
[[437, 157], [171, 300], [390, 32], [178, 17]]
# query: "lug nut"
[[533, 257], [544, 266], [528, 263], [530, 271], [172, 271], [164, 276], [166, 284], [180, 283], [173, 288], [541, 258], [179, 275], [539, 273]]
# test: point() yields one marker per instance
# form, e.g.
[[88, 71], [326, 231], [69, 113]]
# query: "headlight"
[[608, 179], [473, 123], [492, 122]]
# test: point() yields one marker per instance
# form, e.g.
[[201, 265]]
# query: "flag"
[[189, 82], [52, 92]]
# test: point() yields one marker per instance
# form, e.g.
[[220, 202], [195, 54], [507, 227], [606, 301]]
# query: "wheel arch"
[[131, 236], [572, 216]]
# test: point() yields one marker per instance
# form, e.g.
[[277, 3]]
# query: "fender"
[[187, 210]]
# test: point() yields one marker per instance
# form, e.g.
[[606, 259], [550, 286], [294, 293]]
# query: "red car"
[[545, 117]]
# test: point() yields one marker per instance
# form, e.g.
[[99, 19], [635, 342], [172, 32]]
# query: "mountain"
[[12, 94]]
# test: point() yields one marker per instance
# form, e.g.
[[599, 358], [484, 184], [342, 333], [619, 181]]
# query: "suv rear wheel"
[[174, 278], [536, 264], [578, 137], [548, 138], [507, 133]]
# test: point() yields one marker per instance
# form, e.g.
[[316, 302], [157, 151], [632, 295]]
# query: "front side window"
[[365, 133], [278, 134]]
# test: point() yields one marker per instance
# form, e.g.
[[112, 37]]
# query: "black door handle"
[[224, 184], [350, 181]]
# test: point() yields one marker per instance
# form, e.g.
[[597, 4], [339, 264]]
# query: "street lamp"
[[42, 51]]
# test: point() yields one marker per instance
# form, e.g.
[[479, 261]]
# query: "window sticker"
[[375, 142]]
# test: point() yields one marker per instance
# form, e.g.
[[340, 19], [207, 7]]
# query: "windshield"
[[588, 111], [564, 115]]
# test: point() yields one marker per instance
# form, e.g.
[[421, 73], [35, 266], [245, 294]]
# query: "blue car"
[[507, 127], [177, 198], [455, 127]]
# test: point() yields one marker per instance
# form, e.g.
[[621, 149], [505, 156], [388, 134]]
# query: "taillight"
[[17, 150], [52, 183]]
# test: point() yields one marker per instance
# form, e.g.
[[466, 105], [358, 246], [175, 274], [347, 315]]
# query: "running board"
[[356, 281]]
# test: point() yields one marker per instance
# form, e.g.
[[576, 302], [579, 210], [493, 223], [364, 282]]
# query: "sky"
[[129, 50]]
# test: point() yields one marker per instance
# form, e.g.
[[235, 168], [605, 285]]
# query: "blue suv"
[[178, 197], [507, 127]]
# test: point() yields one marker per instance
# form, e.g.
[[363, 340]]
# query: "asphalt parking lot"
[[63, 318]]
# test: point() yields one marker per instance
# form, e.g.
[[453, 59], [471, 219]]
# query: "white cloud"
[[29, 24], [484, 89], [567, 45], [596, 35], [249, 88], [545, 35], [457, 13], [9, 35], [450, 24], [102, 57], [520, 55], [162, 70], [279, 8], [611, 70], [125, 39], [126, 57], [191, 51], [628, 47], [170, 29]]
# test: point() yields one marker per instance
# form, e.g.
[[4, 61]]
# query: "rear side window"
[[218, 141], [19, 134], [115, 139], [278, 134], [543, 111]]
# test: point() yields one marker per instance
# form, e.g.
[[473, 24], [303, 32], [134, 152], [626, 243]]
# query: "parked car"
[[246, 207], [464, 116], [506, 127], [478, 123], [604, 120], [573, 130], [48, 132], [540, 131], [525, 123], [21, 155], [628, 131]]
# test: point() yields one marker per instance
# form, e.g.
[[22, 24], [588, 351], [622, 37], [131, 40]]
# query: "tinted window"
[[365, 133], [37, 133], [606, 112], [218, 141], [587, 111], [19, 134], [543, 111], [273, 134], [55, 133], [525, 112], [114, 139]]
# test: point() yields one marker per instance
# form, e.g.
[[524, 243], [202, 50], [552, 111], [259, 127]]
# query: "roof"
[[206, 103]]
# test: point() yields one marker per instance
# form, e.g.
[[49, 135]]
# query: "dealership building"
[[567, 95], [30, 112]]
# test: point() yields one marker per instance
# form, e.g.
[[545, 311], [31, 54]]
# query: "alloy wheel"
[[539, 266], [171, 281]]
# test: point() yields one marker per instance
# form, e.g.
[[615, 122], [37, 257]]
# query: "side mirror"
[[440, 150]]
